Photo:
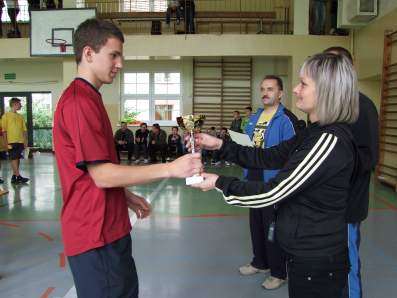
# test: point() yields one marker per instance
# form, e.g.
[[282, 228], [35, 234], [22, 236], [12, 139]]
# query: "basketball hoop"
[[57, 42]]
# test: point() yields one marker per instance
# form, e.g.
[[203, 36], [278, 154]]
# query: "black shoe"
[[21, 179], [14, 179], [1, 181]]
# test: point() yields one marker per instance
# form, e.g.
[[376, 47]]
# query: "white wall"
[[32, 75]]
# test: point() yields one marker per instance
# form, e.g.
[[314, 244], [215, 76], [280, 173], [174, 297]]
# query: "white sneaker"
[[145, 160], [249, 270], [272, 283]]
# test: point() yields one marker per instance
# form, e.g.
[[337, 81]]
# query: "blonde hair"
[[336, 86]]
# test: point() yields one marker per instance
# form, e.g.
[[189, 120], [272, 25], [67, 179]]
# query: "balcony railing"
[[212, 16]]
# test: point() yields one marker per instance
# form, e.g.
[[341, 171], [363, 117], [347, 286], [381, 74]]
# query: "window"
[[151, 97]]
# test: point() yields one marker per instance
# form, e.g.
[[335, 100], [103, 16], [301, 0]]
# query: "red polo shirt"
[[91, 216]]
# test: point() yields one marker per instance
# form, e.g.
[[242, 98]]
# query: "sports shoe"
[[272, 283], [145, 160], [21, 179], [1, 180], [18, 179], [249, 270]]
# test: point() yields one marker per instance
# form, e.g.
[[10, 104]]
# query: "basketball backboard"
[[51, 31]]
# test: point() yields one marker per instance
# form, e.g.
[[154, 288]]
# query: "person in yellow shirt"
[[3, 150], [15, 136]]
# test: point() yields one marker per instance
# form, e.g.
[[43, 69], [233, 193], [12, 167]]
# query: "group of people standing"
[[306, 187], [305, 218], [148, 144]]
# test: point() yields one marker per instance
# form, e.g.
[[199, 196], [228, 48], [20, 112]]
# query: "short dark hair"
[[156, 125], [143, 123], [248, 108], [94, 33], [277, 79], [340, 51], [13, 101], [175, 127], [123, 122], [236, 112]]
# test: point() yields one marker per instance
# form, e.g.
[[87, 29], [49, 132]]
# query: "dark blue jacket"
[[281, 128]]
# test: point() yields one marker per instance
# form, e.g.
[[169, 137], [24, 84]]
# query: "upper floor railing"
[[211, 16]]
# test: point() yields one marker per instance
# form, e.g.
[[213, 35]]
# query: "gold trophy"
[[190, 123]]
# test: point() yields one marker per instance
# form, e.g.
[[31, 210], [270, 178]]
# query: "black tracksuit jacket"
[[311, 189], [366, 134]]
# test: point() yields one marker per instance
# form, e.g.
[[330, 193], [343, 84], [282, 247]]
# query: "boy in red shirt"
[[94, 219]]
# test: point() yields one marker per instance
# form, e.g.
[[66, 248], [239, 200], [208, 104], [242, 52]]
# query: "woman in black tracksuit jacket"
[[312, 188]]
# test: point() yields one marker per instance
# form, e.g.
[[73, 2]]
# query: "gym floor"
[[191, 246]]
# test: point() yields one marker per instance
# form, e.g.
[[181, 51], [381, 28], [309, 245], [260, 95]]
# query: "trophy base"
[[194, 180]]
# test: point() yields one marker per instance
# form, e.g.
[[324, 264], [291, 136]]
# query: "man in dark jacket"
[[236, 123], [268, 127], [157, 143], [141, 143], [365, 132], [124, 140], [174, 143]]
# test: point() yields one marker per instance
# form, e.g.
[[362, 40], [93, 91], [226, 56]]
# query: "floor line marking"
[[47, 293], [62, 260], [133, 219], [391, 206], [7, 224], [378, 209], [45, 236]]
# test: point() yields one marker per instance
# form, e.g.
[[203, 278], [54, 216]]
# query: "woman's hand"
[[208, 182], [204, 141]]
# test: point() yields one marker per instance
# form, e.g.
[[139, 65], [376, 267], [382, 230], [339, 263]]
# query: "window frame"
[[152, 97]]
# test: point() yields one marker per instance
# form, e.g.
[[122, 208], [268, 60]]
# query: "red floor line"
[[45, 236], [378, 209], [3, 223], [47, 292], [62, 260], [391, 206]]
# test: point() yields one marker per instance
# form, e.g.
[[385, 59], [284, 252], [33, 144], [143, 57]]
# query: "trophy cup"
[[189, 123]]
